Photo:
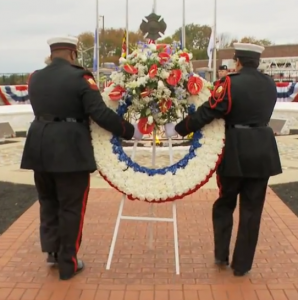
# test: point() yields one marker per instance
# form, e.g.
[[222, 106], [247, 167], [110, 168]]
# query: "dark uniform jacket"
[[63, 97], [246, 98]]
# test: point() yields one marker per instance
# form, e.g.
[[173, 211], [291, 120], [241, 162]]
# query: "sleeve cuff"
[[128, 130], [182, 128]]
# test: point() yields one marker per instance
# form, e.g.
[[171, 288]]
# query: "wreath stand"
[[151, 218]]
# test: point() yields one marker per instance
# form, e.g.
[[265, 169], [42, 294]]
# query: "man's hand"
[[170, 130], [137, 134]]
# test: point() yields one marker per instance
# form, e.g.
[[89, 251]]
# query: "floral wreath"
[[155, 85]]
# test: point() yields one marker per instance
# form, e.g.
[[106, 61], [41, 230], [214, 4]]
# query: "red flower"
[[174, 77], [186, 56], [194, 85], [117, 93], [163, 57], [146, 93], [130, 69], [144, 127], [161, 47], [165, 105], [152, 71]]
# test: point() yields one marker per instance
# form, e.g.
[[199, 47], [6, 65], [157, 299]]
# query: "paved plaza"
[[141, 273]]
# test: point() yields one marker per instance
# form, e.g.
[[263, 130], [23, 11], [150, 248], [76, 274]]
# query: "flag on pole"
[[123, 51], [210, 49], [95, 54]]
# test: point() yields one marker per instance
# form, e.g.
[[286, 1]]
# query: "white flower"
[[132, 85], [164, 74], [122, 60], [182, 60], [152, 47], [150, 120], [141, 81], [143, 58], [160, 84]]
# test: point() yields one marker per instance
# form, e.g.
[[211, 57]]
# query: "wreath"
[[155, 86]]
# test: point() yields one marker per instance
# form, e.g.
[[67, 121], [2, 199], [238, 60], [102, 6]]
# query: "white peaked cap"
[[248, 50], [248, 47], [63, 40]]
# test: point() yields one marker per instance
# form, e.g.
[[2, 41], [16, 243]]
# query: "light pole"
[[102, 18], [183, 35], [126, 25], [214, 40]]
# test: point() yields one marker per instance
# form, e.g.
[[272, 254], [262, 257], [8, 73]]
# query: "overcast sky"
[[27, 24]]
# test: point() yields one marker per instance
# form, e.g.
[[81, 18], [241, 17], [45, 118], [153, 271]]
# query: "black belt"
[[239, 126], [58, 119]]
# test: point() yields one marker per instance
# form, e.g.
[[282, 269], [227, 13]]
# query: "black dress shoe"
[[52, 258], [80, 268], [221, 263], [239, 273]]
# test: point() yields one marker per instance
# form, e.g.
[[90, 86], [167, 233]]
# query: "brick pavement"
[[138, 273]]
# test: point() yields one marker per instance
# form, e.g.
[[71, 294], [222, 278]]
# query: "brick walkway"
[[141, 274]]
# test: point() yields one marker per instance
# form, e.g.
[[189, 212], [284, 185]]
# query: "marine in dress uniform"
[[245, 100], [58, 149], [222, 72]]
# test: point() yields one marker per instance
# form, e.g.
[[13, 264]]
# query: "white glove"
[[170, 130], [137, 134]]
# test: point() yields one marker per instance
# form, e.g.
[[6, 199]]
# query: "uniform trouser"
[[63, 198], [252, 193]]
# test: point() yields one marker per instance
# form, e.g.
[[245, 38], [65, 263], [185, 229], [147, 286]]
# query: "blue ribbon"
[[123, 157]]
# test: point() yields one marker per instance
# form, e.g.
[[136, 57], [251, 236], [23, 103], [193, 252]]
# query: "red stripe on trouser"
[[85, 198], [219, 185]]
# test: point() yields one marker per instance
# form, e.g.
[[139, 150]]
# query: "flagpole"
[[97, 42], [214, 41], [183, 25], [127, 34]]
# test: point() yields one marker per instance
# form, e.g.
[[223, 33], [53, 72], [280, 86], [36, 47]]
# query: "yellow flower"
[[190, 136]]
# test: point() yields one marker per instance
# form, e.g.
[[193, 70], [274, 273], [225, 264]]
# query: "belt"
[[58, 119], [239, 126]]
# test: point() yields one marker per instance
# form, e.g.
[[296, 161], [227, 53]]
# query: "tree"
[[14, 79], [86, 49], [197, 36], [253, 40], [224, 40], [197, 41], [110, 45]]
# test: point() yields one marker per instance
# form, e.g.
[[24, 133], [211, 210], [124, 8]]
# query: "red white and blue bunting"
[[14, 94], [18, 94], [287, 91]]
